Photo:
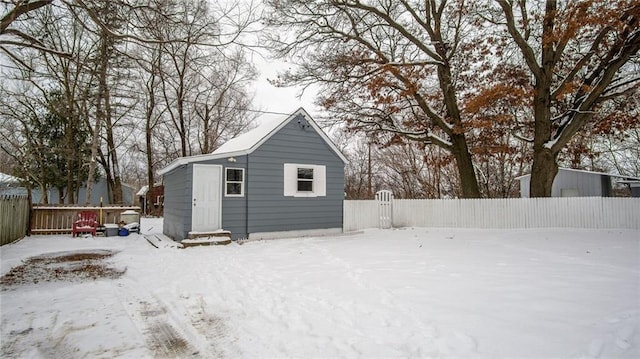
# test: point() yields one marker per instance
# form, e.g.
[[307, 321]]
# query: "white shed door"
[[207, 199]]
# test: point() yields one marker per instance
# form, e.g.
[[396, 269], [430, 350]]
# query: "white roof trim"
[[250, 141]]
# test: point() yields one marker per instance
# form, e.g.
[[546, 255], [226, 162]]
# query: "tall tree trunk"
[[459, 145], [114, 174], [154, 72], [150, 177], [70, 153], [544, 167], [464, 164], [544, 171], [149, 150], [181, 119], [94, 153], [100, 113]]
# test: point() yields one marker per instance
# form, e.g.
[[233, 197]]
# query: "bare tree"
[[361, 170], [384, 66], [579, 55], [60, 85], [181, 72], [203, 86], [12, 36], [222, 105]]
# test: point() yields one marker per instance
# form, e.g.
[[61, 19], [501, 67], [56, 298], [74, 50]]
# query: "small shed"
[[576, 183], [150, 200], [634, 186], [284, 178]]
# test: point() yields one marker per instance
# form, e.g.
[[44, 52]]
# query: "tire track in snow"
[[216, 335], [172, 329]]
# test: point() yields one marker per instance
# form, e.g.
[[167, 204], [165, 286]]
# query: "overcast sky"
[[270, 98]]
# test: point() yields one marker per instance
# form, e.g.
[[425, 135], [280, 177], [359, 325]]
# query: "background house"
[[578, 183], [150, 200], [283, 178], [634, 186], [99, 191], [10, 185]]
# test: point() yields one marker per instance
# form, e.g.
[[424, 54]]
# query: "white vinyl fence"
[[571, 212]]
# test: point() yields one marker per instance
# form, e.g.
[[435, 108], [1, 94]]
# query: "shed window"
[[234, 182], [302, 180], [305, 179]]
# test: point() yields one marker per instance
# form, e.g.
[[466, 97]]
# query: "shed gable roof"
[[251, 140]]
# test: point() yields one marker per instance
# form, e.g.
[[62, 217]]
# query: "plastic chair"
[[86, 222]]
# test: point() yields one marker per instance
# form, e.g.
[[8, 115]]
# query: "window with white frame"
[[305, 179], [302, 180], [234, 182]]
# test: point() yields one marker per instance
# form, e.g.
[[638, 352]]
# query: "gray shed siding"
[[587, 184], [264, 208], [269, 209], [177, 202], [582, 184], [234, 209]]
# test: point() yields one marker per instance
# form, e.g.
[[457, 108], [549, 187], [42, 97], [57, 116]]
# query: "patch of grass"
[[55, 267]]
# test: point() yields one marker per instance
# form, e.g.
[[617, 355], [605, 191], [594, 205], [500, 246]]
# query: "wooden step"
[[207, 238]]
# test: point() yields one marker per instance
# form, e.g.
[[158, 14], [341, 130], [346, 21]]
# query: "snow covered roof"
[[143, 191], [251, 140], [5, 178], [632, 183]]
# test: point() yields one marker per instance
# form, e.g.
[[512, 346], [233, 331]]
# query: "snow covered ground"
[[445, 293]]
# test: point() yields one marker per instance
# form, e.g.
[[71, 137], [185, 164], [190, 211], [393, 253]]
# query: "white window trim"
[[291, 180], [241, 182]]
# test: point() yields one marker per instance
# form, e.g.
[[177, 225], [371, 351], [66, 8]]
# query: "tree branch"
[[527, 52], [21, 8]]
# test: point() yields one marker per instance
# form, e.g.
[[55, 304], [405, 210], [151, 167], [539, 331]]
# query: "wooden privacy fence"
[[14, 218], [59, 219], [570, 212]]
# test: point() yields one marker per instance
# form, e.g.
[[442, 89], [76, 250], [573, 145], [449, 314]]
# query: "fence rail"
[[14, 218], [573, 212], [59, 219]]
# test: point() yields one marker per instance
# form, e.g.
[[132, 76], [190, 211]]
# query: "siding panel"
[[234, 209], [177, 203], [269, 209]]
